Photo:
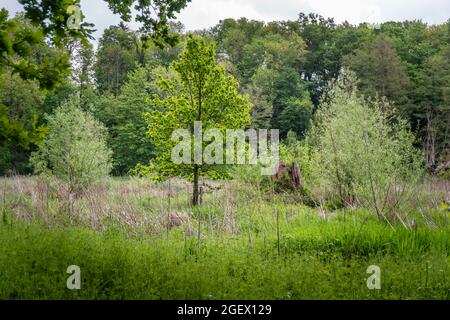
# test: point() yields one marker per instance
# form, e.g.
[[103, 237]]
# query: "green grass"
[[250, 247], [34, 259]]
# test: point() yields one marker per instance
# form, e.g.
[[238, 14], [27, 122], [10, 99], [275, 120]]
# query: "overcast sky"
[[201, 14]]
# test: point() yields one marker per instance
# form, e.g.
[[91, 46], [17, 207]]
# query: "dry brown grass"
[[136, 206], [140, 208]]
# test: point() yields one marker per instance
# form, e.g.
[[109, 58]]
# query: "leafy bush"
[[74, 150], [362, 154]]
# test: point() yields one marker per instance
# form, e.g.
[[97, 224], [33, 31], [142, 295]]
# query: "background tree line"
[[285, 67]]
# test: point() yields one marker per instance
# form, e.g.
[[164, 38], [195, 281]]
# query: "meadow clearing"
[[136, 239]]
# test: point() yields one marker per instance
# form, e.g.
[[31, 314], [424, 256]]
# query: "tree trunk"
[[430, 144], [195, 198]]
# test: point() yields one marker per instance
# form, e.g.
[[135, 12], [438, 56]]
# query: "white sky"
[[201, 14]]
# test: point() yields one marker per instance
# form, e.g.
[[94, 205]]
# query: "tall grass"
[[34, 262], [240, 244]]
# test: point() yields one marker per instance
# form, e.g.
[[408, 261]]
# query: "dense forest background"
[[286, 68]]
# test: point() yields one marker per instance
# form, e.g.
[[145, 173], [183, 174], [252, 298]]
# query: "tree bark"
[[430, 144]]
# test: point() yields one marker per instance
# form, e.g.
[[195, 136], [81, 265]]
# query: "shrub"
[[362, 154], [74, 150]]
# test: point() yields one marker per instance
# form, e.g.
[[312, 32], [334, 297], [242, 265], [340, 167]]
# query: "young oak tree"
[[194, 89]]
